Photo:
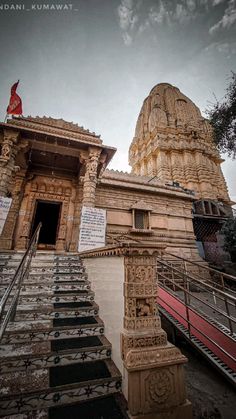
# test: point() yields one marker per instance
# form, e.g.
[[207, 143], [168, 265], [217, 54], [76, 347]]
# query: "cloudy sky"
[[94, 61]]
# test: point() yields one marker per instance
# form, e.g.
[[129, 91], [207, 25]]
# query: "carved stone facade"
[[154, 379], [46, 189], [168, 210], [48, 162], [174, 143]]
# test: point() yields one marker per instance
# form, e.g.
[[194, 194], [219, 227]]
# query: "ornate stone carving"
[[176, 129], [159, 386], [149, 360], [143, 307], [90, 178], [91, 167], [134, 342], [134, 290], [153, 356], [6, 150], [141, 323], [56, 126], [7, 161], [50, 189]]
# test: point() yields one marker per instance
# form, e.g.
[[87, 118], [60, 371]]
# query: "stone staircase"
[[55, 361]]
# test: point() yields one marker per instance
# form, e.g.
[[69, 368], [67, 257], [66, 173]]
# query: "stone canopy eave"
[[81, 142]]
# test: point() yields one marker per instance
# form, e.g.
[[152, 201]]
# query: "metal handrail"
[[187, 294], [21, 273], [200, 283], [228, 276]]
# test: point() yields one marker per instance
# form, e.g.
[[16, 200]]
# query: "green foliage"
[[222, 117], [229, 231]]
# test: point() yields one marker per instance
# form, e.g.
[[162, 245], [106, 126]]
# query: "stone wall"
[[170, 217]]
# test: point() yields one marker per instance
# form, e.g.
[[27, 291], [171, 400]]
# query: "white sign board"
[[92, 228], [5, 204]]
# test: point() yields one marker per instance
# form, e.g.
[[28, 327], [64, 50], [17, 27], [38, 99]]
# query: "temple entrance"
[[49, 214]]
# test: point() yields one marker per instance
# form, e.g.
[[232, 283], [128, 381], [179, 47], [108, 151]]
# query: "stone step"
[[52, 286], [56, 297], [37, 277], [63, 328], [59, 285], [53, 270], [57, 310], [110, 407], [53, 256], [24, 356], [43, 257], [32, 414], [55, 355], [41, 388], [70, 277], [46, 264], [4, 257], [4, 262]]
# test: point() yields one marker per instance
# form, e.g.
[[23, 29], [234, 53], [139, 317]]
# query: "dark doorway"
[[48, 213]]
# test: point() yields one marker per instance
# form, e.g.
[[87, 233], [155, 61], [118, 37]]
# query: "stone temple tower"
[[173, 142]]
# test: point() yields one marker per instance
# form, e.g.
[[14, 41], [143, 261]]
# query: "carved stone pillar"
[[76, 220], [7, 161], [90, 178], [154, 384], [24, 231], [7, 236], [70, 218]]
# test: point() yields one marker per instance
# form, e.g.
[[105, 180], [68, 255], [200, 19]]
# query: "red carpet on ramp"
[[177, 308]]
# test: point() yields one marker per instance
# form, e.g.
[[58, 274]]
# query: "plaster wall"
[[119, 217], [107, 278]]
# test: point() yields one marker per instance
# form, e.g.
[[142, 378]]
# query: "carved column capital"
[[90, 178], [102, 163], [92, 163]]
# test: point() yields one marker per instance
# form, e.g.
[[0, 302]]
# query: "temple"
[[52, 168], [173, 144], [159, 222]]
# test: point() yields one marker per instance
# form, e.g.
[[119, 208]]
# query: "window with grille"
[[140, 219]]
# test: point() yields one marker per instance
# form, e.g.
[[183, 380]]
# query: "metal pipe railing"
[[187, 294], [207, 268], [21, 273], [200, 282]]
